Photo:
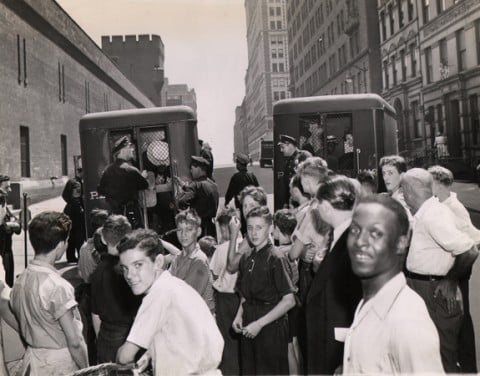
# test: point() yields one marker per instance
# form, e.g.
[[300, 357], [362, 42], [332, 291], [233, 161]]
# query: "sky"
[[205, 48]]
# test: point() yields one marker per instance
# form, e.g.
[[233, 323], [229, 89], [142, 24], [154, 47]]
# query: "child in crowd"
[[89, 256], [208, 244], [284, 223], [72, 194], [368, 182], [267, 294], [45, 306], [192, 264], [226, 300], [113, 305], [173, 323]]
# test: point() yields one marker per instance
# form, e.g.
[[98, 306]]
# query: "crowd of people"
[[342, 279]]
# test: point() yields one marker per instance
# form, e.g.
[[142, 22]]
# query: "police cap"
[[199, 161], [242, 158], [120, 144], [4, 178], [285, 139]]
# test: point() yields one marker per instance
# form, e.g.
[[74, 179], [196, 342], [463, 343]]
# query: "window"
[[403, 65], [279, 25], [271, 11], [477, 39], [440, 6], [282, 95], [428, 65], [410, 10], [425, 10], [417, 127], [63, 151], [276, 96], [280, 53], [274, 53], [394, 69], [440, 117], [274, 67], [392, 19], [272, 25], [281, 67], [24, 152], [400, 14], [354, 49], [279, 11], [413, 60], [461, 49], [386, 82], [383, 26], [474, 119]]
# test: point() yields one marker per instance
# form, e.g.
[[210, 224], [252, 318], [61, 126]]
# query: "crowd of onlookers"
[[342, 279]]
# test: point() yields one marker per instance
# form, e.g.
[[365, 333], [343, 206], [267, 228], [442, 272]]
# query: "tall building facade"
[[333, 47], [267, 78], [141, 59], [51, 74], [178, 94], [431, 74], [240, 132]]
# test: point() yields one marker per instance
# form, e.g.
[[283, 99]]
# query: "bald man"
[[438, 257]]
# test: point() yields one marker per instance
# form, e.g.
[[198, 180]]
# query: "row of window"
[[277, 95], [403, 67], [25, 152], [395, 9], [22, 77], [275, 11]]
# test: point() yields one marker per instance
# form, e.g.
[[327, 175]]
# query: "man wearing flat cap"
[[289, 149], [121, 182], [8, 226], [238, 181], [201, 194]]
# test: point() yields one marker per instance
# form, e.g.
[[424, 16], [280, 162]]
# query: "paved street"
[[468, 193]]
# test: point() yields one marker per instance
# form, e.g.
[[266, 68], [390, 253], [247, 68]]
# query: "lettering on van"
[[95, 196]]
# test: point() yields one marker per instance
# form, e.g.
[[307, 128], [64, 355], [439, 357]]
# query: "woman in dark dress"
[[267, 294], [72, 194]]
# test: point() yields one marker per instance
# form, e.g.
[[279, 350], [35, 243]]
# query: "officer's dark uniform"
[[201, 195], [6, 244], [120, 184], [240, 180], [289, 169]]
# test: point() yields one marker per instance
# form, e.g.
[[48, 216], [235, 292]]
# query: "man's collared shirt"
[[339, 230], [435, 240], [392, 333], [177, 328], [462, 218]]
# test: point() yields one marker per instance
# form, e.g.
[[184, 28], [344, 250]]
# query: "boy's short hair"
[[190, 216], [115, 228], [208, 244], [442, 175], [47, 229], [369, 178], [261, 212], [144, 239], [285, 221], [257, 193], [98, 218], [394, 160], [313, 166], [225, 215]]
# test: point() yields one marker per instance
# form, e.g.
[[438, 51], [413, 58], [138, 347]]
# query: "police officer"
[[121, 182], [201, 194], [238, 181], [9, 226], [289, 149]]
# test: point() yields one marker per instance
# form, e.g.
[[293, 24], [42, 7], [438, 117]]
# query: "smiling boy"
[[173, 323], [392, 331], [192, 264]]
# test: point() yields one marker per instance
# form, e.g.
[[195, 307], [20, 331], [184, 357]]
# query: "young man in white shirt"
[[173, 323], [392, 331]]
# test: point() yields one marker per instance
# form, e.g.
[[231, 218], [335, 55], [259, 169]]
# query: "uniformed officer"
[[238, 181], [289, 149], [121, 182], [201, 194]]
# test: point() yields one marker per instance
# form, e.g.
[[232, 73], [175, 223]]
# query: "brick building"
[[267, 78], [51, 74], [433, 79], [333, 47], [180, 94], [141, 59]]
